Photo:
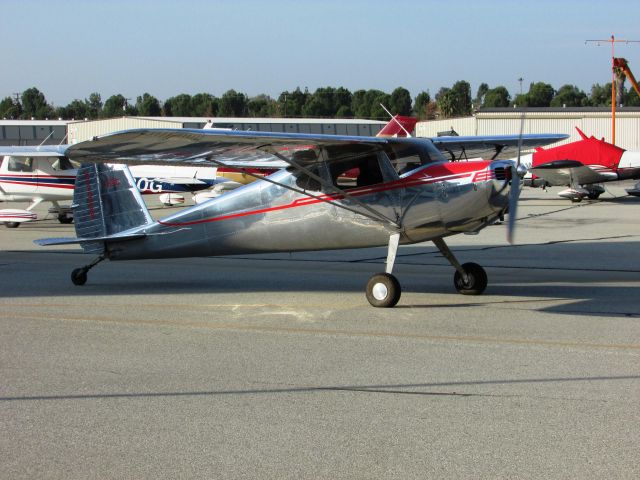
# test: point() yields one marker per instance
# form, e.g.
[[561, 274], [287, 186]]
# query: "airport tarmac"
[[275, 366]]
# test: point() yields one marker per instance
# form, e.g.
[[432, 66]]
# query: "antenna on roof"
[[396, 120]]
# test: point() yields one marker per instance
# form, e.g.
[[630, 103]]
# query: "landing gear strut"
[[470, 278], [79, 275], [383, 289]]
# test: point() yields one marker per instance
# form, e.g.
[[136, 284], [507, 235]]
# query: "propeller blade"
[[514, 194]]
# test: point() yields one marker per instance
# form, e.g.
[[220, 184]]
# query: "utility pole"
[[613, 42]]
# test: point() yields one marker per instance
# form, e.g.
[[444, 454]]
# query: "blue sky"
[[68, 49]]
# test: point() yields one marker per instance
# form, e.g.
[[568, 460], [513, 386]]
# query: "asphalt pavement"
[[275, 366]]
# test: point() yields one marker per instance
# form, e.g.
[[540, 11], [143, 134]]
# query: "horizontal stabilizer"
[[44, 242], [566, 172]]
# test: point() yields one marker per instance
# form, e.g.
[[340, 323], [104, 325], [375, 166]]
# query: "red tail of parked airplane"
[[583, 165]]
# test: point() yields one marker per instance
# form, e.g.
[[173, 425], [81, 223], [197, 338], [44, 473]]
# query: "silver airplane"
[[331, 192]]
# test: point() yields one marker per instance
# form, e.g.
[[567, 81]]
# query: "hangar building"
[[33, 132], [80, 131], [36, 132], [506, 121]]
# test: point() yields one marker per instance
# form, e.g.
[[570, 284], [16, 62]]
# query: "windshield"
[[406, 156]]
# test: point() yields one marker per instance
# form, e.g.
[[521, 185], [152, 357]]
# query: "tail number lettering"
[[146, 185]]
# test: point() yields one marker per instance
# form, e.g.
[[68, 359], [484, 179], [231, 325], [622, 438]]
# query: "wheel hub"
[[380, 291]]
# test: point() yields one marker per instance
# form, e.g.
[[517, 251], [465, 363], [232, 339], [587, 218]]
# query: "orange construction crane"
[[622, 64], [613, 42]]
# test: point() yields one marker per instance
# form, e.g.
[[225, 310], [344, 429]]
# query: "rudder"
[[106, 202]]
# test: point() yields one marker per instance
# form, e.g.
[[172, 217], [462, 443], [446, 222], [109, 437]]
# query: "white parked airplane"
[[45, 174]]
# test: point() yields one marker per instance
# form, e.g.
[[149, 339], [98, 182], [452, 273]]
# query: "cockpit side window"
[[354, 165], [20, 164], [63, 163], [409, 156]]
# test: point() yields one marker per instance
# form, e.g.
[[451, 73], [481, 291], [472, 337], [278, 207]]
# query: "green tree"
[[420, 104], [632, 99], [377, 112], [147, 105], [117, 106], [178, 106], [290, 104], [342, 99], [482, 91], [233, 104], [76, 109], [521, 100], [600, 95], [261, 106], [461, 92], [359, 104], [10, 109], [94, 106], [204, 105], [455, 101], [496, 97], [400, 102], [326, 101], [445, 99], [34, 104], [366, 103], [569, 96], [540, 95]]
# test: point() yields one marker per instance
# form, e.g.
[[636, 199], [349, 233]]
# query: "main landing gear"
[[79, 275], [383, 289]]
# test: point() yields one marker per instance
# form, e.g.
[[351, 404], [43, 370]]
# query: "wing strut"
[[375, 216], [330, 186]]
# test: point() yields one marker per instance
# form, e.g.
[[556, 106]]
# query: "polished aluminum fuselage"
[[430, 202]]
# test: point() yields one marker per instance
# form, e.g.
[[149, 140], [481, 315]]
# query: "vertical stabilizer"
[[106, 202]]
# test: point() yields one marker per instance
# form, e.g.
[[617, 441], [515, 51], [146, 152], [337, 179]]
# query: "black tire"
[[476, 280], [79, 276], [594, 195], [12, 224], [383, 290], [576, 199], [65, 219]]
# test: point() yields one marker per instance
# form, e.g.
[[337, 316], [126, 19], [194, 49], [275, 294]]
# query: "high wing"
[[231, 148], [570, 172], [494, 147], [274, 150], [31, 151]]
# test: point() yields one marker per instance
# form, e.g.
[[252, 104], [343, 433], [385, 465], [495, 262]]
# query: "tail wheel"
[[476, 280], [79, 276], [62, 218], [383, 290]]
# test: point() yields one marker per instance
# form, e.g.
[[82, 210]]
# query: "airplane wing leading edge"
[[260, 149]]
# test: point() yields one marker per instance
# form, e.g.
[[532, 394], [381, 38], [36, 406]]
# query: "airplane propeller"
[[514, 193]]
